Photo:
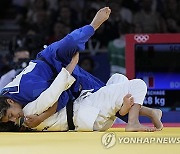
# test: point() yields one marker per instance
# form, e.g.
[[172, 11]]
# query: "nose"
[[13, 119]]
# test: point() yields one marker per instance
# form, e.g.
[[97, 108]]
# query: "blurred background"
[[28, 26]]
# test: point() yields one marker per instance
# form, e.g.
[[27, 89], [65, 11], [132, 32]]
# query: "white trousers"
[[97, 110]]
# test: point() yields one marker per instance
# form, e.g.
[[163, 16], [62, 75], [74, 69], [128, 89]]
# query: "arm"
[[47, 98], [34, 120], [70, 67], [128, 102], [62, 82], [64, 49], [46, 104]]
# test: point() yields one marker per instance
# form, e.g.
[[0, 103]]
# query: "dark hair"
[[8, 127], [4, 105], [12, 127]]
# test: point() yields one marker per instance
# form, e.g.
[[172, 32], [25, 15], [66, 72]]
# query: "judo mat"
[[115, 140]]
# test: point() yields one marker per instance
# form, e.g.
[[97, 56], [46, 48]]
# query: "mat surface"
[[92, 142]]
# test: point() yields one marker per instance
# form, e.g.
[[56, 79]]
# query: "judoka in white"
[[92, 111]]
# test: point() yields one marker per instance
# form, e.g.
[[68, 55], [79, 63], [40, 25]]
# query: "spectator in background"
[[172, 16], [87, 63], [96, 4], [34, 7], [60, 30], [20, 7], [68, 15], [52, 5], [116, 49], [172, 10], [20, 61], [4, 65], [41, 24], [172, 26], [65, 15], [147, 19], [119, 12]]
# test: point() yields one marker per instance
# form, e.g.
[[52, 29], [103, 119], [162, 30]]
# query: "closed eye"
[[9, 116]]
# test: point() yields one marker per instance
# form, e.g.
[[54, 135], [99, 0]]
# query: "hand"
[[128, 102], [101, 16], [32, 121]]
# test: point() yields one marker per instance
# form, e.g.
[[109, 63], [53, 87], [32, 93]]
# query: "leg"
[[137, 88], [154, 114], [133, 121]]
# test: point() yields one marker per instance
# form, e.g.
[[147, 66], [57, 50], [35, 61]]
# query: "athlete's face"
[[14, 112]]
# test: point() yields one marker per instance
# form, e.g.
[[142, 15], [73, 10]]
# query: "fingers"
[[29, 123], [131, 101]]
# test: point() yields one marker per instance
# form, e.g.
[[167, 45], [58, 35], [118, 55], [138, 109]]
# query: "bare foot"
[[156, 119], [128, 102], [139, 128], [101, 16]]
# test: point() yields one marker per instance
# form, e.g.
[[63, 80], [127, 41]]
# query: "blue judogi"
[[30, 84]]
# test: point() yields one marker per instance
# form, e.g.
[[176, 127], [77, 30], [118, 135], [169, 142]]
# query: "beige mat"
[[91, 142]]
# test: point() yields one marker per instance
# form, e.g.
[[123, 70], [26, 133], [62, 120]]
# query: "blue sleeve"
[[81, 36], [64, 49]]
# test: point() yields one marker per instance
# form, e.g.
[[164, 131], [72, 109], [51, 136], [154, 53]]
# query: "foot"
[[139, 128], [128, 102], [156, 119], [101, 16]]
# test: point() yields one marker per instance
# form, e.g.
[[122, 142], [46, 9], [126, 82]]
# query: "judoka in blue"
[[39, 75]]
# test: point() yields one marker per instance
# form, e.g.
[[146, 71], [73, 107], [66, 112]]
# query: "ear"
[[10, 101]]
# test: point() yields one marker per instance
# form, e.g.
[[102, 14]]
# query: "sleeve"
[[47, 98], [64, 49]]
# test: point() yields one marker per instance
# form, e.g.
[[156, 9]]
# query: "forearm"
[[70, 67], [46, 114]]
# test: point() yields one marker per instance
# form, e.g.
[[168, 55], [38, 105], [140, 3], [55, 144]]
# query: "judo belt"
[[69, 111]]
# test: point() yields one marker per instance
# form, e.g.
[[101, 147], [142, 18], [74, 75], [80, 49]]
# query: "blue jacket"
[[39, 75]]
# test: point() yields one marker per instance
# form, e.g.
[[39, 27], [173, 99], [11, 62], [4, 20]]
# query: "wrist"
[[41, 118]]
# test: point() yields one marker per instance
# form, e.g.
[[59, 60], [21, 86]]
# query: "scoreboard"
[[155, 58]]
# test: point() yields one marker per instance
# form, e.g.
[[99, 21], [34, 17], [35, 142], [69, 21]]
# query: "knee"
[[138, 90], [140, 84], [117, 78]]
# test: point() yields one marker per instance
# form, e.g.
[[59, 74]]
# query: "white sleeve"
[[47, 98]]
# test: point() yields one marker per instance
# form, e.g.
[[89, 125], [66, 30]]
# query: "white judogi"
[[93, 111]]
